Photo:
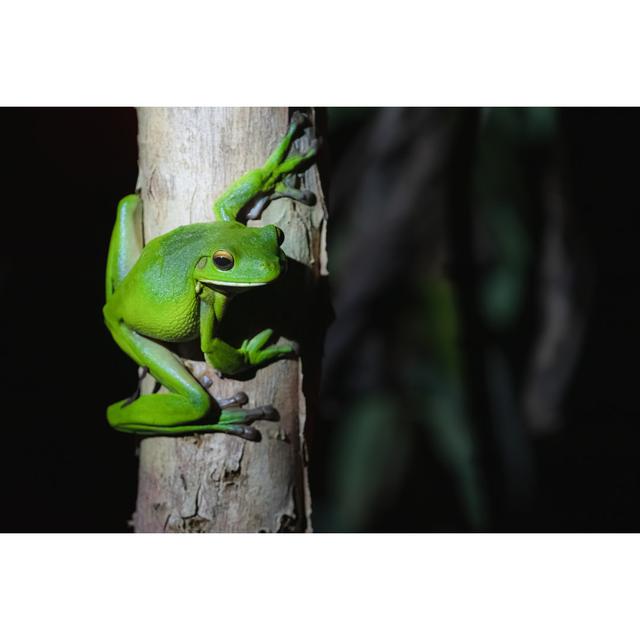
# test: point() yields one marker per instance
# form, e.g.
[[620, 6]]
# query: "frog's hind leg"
[[126, 242], [186, 401]]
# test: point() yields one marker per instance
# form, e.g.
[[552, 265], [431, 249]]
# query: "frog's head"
[[239, 257]]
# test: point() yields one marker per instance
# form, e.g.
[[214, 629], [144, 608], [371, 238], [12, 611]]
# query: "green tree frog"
[[177, 287]]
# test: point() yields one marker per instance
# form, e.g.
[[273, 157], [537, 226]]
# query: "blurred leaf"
[[370, 460], [437, 383]]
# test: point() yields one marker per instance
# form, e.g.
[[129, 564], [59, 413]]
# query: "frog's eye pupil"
[[223, 260]]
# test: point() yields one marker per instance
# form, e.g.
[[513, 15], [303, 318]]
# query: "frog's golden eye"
[[280, 235], [223, 260]]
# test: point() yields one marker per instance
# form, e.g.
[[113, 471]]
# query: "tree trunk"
[[216, 482]]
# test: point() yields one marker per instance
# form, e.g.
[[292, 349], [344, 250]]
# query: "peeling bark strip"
[[215, 482]]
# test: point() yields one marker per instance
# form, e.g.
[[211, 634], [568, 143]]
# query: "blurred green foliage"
[[408, 439]]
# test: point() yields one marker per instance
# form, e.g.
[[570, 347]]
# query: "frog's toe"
[[312, 151], [305, 196], [238, 421], [270, 354], [237, 400], [264, 412], [245, 417], [308, 198], [267, 412], [258, 341], [244, 431], [299, 119]]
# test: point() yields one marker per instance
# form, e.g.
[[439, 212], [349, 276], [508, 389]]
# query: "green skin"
[[177, 288]]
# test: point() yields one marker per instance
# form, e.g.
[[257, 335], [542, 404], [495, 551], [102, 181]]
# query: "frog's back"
[[157, 297]]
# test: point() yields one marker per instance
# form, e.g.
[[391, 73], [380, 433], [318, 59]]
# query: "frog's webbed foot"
[[238, 421], [186, 408], [257, 354], [287, 188]]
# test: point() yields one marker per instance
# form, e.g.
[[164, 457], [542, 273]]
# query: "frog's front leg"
[[230, 361], [254, 190], [186, 405]]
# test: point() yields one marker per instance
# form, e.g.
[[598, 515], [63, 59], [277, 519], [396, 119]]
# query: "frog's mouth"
[[236, 285], [230, 289]]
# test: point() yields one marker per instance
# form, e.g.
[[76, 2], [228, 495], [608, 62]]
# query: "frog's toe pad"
[[308, 198], [247, 432], [299, 119], [265, 412], [269, 412], [239, 399]]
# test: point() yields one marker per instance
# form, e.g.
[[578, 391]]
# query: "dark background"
[[481, 370]]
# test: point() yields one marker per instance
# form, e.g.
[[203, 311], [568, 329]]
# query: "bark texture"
[[216, 482]]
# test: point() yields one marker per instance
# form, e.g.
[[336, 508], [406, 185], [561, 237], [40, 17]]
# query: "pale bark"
[[216, 482]]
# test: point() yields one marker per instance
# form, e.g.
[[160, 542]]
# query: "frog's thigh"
[[126, 242], [186, 401]]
